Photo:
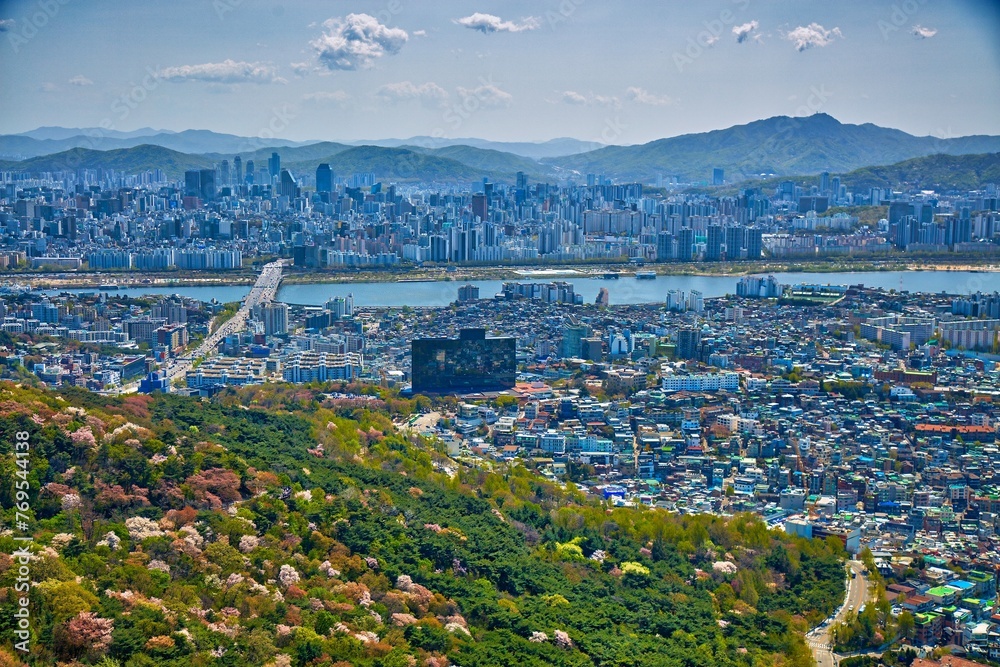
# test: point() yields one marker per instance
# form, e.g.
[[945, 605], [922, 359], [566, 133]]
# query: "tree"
[[85, 634], [905, 624]]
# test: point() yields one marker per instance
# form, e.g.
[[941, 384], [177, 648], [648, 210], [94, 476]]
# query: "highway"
[[819, 637], [263, 292]]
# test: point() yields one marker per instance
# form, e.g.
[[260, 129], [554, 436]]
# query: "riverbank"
[[537, 272]]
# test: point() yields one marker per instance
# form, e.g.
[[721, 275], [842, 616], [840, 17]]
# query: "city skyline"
[[312, 71]]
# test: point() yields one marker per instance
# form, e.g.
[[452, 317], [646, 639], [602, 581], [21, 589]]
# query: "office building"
[[274, 166], [324, 178], [471, 363]]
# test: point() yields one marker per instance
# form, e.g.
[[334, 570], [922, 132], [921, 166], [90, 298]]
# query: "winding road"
[[819, 637]]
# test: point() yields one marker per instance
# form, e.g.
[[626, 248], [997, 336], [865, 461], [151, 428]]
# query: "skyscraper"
[[224, 173], [664, 247], [237, 171], [274, 166], [734, 242], [471, 363], [324, 178], [572, 340], [249, 176], [275, 318], [287, 186], [754, 241], [713, 246], [200, 183], [685, 244], [480, 206], [688, 343], [718, 176]]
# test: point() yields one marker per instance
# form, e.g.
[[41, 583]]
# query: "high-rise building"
[[572, 340], [734, 242], [200, 183], [688, 343], [713, 246], [324, 178], [664, 247], [754, 243], [192, 183], [468, 293], [237, 171], [718, 176], [274, 166], [287, 187], [473, 362], [824, 183], [224, 173], [249, 177], [685, 244], [275, 318], [480, 206]]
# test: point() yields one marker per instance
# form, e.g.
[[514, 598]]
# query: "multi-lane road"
[[263, 292], [819, 638]]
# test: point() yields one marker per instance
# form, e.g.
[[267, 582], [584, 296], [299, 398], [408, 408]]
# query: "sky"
[[596, 70]]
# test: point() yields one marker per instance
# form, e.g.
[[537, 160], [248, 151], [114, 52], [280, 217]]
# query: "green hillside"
[[276, 526], [129, 160], [940, 173], [488, 160], [780, 145], [398, 164], [935, 172]]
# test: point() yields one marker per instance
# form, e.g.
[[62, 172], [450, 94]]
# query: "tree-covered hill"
[[277, 526]]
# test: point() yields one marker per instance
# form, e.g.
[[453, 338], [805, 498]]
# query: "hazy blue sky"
[[619, 72]]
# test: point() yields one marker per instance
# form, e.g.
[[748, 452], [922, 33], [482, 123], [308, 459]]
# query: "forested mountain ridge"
[[279, 526]]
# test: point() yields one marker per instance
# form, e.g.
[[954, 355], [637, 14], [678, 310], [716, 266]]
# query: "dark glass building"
[[471, 363]]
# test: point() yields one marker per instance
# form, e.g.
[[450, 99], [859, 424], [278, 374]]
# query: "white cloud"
[[355, 42], [573, 97], [488, 95], [419, 33], [745, 31], [301, 69], [228, 71], [807, 36], [6, 25], [643, 96], [923, 32], [324, 97], [426, 93], [80, 80], [48, 87], [487, 23]]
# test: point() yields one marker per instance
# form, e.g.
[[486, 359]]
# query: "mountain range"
[[780, 146]]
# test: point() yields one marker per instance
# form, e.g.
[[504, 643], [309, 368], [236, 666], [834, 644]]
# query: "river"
[[621, 291]]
